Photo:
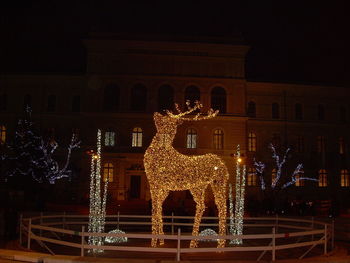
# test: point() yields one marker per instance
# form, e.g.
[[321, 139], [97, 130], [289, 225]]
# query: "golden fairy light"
[[168, 170]]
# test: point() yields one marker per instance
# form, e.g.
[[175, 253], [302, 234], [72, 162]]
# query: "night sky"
[[291, 41]]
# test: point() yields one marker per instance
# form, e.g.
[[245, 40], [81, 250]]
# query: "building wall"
[[153, 64]]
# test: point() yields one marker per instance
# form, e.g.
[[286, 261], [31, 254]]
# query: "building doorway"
[[135, 186]]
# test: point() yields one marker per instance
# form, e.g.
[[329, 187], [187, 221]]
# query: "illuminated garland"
[[116, 239], [239, 202], [168, 170], [97, 213], [208, 232]]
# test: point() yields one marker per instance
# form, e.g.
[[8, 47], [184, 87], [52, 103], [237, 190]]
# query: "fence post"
[[276, 222], [41, 223], [178, 251], [333, 230], [29, 232], [82, 241], [273, 244], [118, 220], [20, 229], [325, 239], [172, 223]]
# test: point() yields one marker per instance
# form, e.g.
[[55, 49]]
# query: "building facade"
[[126, 81]]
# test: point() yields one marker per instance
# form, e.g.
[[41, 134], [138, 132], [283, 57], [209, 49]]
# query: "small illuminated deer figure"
[[168, 170]]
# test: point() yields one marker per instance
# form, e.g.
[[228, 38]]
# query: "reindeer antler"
[[197, 105]]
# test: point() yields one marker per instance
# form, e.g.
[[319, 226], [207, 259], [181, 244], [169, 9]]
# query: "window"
[[218, 99], [218, 139], [165, 98], [342, 114], [192, 94], [76, 103], [251, 110], [252, 142], [251, 177], [51, 103], [111, 98], [3, 102], [320, 112], [108, 172], [136, 137], [275, 111], [298, 111], [27, 101], [2, 134], [300, 144], [321, 144], [299, 182], [109, 138], [138, 98], [344, 178], [191, 139], [322, 178], [341, 145], [273, 175]]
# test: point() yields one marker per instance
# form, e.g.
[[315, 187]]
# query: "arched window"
[[109, 138], [344, 178], [322, 178], [165, 98], [341, 145], [251, 177], [2, 134], [108, 172], [252, 142], [298, 181], [251, 110], [218, 139], [3, 102], [321, 144], [273, 175], [298, 111], [138, 98], [320, 112], [192, 94], [76, 103], [136, 137], [218, 99], [275, 111], [51, 103], [342, 113], [27, 101], [111, 98], [191, 139]]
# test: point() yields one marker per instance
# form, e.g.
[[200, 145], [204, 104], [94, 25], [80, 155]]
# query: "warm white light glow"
[[168, 170]]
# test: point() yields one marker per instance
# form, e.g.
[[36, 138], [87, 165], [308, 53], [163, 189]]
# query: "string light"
[[168, 170], [116, 239], [260, 167], [239, 202], [208, 232], [97, 212]]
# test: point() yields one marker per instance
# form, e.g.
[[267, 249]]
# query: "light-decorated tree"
[[282, 180], [30, 156]]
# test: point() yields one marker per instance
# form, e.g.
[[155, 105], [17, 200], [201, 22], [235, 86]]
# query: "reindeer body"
[[168, 170]]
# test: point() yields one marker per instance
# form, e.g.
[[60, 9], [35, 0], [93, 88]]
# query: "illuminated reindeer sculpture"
[[168, 170]]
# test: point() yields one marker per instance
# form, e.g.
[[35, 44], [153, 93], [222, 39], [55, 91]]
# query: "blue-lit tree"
[[31, 156], [282, 179]]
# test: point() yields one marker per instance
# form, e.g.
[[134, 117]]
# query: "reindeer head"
[[167, 124]]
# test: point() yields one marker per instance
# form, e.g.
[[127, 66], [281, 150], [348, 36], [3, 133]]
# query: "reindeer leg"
[[219, 190], [198, 196], [162, 195], [154, 217]]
